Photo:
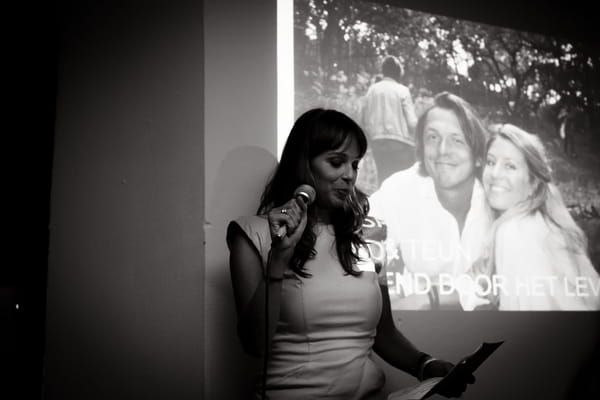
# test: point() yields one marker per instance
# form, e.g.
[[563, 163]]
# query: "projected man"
[[389, 118], [435, 211]]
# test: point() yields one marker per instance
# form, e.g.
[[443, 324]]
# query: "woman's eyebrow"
[[503, 158]]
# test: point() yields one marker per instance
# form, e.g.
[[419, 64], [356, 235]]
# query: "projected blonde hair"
[[545, 197]]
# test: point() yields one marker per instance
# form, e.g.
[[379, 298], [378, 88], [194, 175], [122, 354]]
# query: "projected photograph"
[[483, 168]]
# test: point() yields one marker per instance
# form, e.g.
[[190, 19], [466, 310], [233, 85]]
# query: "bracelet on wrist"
[[420, 360], [424, 363]]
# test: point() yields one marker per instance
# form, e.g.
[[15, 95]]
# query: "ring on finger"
[[284, 210]]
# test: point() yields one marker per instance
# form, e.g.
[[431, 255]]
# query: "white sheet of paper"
[[416, 392]]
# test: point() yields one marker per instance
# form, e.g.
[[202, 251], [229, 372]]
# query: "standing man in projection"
[[389, 118], [435, 211]]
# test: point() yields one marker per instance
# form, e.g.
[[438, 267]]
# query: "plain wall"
[[125, 300], [240, 143], [166, 127]]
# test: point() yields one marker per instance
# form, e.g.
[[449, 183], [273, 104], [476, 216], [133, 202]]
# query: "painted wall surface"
[[240, 145], [126, 278]]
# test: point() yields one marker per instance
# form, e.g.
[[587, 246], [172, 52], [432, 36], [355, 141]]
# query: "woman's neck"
[[323, 216]]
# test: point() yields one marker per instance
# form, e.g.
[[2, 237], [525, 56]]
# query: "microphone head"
[[307, 193]]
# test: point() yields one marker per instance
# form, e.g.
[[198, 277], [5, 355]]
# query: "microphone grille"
[[306, 192]]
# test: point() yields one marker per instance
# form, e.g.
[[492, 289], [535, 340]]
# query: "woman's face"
[[506, 175], [335, 174], [447, 156]]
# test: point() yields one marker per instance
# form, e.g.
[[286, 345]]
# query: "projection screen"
[[330, 55]]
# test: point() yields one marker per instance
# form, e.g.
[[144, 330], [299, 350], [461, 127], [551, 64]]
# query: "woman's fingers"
[[286, 220]]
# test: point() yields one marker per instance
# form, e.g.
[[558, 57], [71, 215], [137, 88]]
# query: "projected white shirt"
[[424, 244], [538, 272]]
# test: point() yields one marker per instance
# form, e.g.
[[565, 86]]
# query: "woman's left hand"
[[454, 387]]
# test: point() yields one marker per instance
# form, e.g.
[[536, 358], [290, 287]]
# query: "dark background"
[[30, 53]]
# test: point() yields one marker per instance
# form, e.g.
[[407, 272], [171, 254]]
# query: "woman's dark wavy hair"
[[315, 132], [475, 133]]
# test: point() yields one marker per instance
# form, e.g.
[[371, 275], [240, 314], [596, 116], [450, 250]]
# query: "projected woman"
[[537, 252]]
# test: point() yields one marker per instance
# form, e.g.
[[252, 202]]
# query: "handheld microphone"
[[307, 194]]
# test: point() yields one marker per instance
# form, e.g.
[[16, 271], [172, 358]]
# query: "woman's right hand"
[[286, 225]]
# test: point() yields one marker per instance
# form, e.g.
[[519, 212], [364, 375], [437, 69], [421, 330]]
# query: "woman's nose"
[[495, 171], [349, 173]]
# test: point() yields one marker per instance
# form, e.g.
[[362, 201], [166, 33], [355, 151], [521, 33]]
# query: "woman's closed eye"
[[336, 162]]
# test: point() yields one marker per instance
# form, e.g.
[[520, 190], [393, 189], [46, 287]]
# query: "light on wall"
[[285, 71]]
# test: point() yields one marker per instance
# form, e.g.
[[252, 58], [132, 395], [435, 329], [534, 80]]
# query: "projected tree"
[[507, 74]]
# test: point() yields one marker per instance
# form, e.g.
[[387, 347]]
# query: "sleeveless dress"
[[323, 342]]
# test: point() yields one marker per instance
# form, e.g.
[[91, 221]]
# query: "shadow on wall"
[[240, 180]]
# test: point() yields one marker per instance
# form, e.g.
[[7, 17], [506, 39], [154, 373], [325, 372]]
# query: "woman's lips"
[[444, 164], [342, 192]]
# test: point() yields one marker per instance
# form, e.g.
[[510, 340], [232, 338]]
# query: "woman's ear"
[[478, 163]]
